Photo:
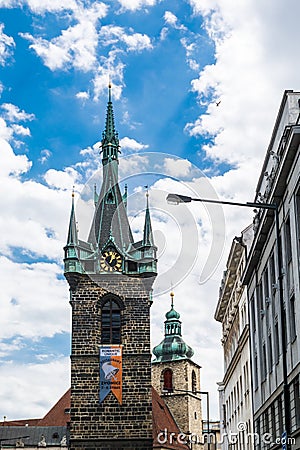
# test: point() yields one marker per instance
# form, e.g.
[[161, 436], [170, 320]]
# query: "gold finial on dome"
[[172, 298]]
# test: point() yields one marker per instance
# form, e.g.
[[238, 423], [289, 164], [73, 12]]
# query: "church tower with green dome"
[[177, 378]]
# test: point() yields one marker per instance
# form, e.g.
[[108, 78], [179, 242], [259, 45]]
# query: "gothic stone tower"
[[177, 378], [110, 279]]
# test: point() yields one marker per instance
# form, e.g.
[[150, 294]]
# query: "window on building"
[[285, 329], [276, 338], [168, 380], [298, 221], [110, 198], [297, 402], [270, 352], [252, 308], [110, 322], [194, 381], [288, 255], [280, 415], [241, 388], [255, 372], [264, 362], [260, 299], [266, 286], [292, 318], [266, 420], [273, 422], [273, 274]]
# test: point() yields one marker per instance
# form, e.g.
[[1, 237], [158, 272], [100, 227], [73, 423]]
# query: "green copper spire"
[[173, 347], [148, 235], [71, 260], [72, 233], [110, 139]]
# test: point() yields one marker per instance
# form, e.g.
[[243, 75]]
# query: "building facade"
[[272, 278], [232, 311], [110, 279]]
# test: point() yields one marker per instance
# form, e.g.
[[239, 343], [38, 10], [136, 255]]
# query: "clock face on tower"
[[111, 261]]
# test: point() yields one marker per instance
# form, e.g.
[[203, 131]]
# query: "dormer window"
[[110, 198]]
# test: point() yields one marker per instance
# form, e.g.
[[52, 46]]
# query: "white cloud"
[[111, 34], [177, 168], [19, 129], [27, 316], [247, 58], [83, 95], [39, 7], [44, 156], [134, 5], [5, 131], [132, 144], [11, 163], [109, 66], [76, 46], [62, 179], [48, 382], [172, 20], [12, 113], [7, 44]]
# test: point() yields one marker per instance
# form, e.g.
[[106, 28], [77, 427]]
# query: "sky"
[[196, 88]]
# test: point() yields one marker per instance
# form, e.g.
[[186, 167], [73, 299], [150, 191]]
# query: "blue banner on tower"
[[110, 371]]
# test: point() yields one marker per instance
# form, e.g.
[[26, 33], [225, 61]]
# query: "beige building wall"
[[232, 312]]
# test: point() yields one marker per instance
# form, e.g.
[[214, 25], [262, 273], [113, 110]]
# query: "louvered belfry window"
[[111, 322]]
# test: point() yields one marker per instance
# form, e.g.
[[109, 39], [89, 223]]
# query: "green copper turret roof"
[[110, 140], [173, 347]]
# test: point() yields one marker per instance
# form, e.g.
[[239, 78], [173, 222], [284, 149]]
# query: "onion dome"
[[173, 347]]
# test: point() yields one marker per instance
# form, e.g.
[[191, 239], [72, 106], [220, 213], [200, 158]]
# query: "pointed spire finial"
[[172, 299], [109, 89]]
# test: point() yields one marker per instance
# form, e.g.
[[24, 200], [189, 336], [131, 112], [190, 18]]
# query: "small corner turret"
[[71, 260]]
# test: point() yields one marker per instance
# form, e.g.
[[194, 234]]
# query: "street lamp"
[[171, 390], [176, 199]]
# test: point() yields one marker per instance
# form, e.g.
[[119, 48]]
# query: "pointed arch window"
[[168, 380], [110, 322]]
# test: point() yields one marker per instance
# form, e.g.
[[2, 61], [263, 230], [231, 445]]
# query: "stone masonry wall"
[[183, 406], [95, 425]]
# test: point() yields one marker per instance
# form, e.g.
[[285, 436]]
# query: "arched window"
[[168, 380], [194, 381], [110, 322]]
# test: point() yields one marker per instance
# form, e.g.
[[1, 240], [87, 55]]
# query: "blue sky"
[[170, 63]]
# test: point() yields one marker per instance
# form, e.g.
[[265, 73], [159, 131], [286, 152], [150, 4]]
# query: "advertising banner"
[[111, 371]]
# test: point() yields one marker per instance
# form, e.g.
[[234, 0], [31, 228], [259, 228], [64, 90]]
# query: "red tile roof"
[[163, 425], [59, 415]]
